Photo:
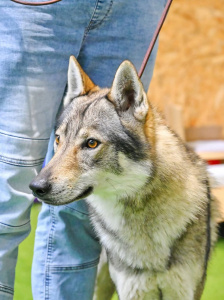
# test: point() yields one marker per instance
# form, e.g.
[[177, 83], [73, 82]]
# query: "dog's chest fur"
[[138, 239], [129, 240]]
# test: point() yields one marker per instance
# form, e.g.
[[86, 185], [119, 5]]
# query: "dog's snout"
[[40, 187]]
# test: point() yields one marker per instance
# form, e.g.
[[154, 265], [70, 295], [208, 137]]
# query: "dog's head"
[[101, 140]]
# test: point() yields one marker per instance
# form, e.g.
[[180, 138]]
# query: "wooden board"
[[219, 194], [209, 156], [190, 62]]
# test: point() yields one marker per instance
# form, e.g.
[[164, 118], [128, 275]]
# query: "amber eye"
[[91, 143], [57, 139]]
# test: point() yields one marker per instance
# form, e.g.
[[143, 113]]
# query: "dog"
[[148, 193]]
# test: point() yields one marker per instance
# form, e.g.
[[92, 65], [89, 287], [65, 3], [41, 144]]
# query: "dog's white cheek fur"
[[111, 187]]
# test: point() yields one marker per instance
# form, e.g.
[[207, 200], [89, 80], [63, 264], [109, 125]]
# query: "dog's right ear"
[[127, 92], [79, 82]]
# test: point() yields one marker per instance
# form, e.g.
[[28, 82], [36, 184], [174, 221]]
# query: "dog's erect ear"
[[127, 91], [79, 82]]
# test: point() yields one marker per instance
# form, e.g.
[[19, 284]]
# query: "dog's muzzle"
[[42, 189]]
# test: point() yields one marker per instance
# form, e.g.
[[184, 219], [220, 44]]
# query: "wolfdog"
[[148, 193]]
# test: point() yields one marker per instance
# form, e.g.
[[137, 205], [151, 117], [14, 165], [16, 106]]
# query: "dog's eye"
[[91, 143], [57, 139]]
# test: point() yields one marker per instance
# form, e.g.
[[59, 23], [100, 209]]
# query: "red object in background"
[[214, 162]]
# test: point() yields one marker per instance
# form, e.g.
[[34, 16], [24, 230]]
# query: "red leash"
[[154, 38], [36, 3], [156, 33]]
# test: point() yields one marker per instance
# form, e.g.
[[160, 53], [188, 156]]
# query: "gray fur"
[[150, 199]]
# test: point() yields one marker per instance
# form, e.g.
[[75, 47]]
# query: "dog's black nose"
[[40, 187]]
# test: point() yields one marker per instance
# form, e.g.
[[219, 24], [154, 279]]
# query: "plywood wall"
[[190, 63]]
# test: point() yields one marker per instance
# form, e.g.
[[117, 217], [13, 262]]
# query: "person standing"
[[35, 45]]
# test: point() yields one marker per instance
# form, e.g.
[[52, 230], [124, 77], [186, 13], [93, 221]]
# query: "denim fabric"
[[35, 45]]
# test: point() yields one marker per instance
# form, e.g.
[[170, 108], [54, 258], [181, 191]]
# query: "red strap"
[[36, 3], [156, 33]]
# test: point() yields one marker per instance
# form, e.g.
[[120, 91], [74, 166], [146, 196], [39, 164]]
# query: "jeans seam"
[[74, 268], [49, 254], [22, 138], [90, 26], [21, 162], [87, 27], [76, 210], [17, 226], [98, 24], [6, 289]]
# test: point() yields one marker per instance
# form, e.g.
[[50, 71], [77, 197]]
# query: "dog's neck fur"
[[115, 213]]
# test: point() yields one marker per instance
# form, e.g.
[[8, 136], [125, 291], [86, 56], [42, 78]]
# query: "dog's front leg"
[[104, 288], [132, 285]]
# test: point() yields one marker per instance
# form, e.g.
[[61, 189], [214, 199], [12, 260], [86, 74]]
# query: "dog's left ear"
[[79, 82], [127, 92]]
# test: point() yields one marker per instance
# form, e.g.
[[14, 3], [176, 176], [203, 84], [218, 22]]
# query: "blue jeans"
[[35, 45]]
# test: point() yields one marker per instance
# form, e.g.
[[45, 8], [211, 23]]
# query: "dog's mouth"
[[84, 194]]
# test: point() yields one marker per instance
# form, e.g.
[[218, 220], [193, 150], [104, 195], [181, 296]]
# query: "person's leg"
[[66, 254], [35, 45]]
